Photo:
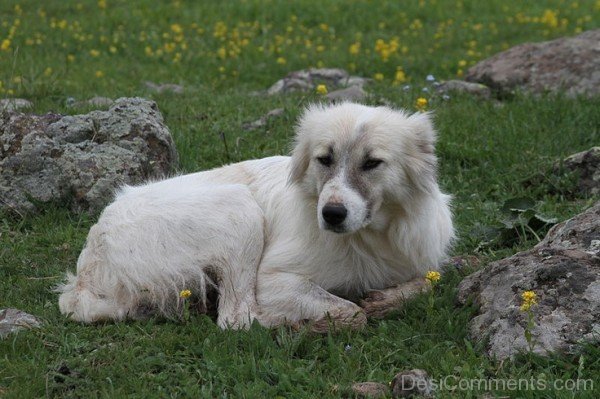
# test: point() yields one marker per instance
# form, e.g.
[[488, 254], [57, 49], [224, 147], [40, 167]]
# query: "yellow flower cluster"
[[385, 50], [433, 276], [185, 294], [321, 89], [421, 104], [529, 299], [400, 76]]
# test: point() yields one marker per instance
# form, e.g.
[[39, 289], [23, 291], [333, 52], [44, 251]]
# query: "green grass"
[[486, 149]]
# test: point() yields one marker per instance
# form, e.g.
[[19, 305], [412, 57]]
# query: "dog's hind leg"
[[157, 240], [236, 275]]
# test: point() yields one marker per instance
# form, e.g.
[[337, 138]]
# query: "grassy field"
[[221, 52]]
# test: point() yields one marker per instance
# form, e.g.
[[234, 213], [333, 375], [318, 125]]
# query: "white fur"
[[253, 225]]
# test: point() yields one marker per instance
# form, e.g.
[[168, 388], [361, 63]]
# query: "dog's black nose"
[[334, 214]]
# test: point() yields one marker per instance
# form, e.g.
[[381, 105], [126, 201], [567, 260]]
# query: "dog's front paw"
[[379, 303], [239, 319], [350, 316]]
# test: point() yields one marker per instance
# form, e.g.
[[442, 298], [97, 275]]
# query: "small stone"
[[587, 166], [95, 102], [370, 389], [14, 104], [415, 382], [306, 80], [352, 93], [164, 87], [460, 86], [263, 120], [13, 320]]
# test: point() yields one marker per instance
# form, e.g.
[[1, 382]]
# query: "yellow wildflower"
[[400, 76], [94, 53], [433, 277], [102, 4], [185, 294], [70, 58], [177, 28], [421, 103], [322, 89], [281, 61], [5, 45], [354, 48], [99, 74], [529, 299], [550, 19], [48, 71], [378, 76]]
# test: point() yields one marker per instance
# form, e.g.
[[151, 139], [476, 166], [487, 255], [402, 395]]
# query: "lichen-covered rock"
[[570, 65], [81, 159], [563, 270], [308, 79], [13, 320]]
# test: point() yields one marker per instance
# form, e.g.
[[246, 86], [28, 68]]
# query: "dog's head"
[[356, 160]]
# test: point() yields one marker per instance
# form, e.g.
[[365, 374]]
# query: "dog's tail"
[[80, 303], [84, 302]]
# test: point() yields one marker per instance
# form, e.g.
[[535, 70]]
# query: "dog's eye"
[[326, 160], [371, 164]]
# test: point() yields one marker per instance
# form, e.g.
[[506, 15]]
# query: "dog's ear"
[[299, 163], [422, 163]]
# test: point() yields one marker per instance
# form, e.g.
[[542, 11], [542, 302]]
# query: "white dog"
[[355, 208]]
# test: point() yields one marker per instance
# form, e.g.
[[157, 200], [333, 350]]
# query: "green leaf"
[[518, 204]]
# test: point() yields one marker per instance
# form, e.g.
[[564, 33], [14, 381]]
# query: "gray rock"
[[370, 389], [81, 159], [164, 87], [352, 93], [14, 104], [263, 120], [563, 270], [416, 382], [587, 166], [13, 320], [570, 65], [460, 86], [308, 79]]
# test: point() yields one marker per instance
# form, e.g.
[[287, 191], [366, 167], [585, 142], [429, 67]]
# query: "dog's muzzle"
[[334, 214]]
